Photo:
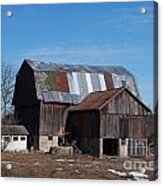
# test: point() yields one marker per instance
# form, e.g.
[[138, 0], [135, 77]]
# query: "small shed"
[[14, 138], [114, 122]]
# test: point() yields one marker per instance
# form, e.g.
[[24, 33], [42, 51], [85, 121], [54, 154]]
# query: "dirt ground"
[[41, 165]]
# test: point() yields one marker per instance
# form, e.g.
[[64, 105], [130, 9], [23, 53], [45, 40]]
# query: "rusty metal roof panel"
[[95, 100], [80, 79], [61, 82], [108, 81]]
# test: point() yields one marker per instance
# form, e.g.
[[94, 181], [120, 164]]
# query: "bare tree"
[[7, 88], [4, 142], [10, 119]]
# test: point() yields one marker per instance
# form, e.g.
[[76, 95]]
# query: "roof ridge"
[[86, 67], [98, 98], [113, 96]]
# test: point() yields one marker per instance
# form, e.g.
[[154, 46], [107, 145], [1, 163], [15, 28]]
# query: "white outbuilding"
[[14, 138]]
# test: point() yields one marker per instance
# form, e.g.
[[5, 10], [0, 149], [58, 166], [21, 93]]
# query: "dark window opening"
[[60, 141], [110, 147], [22, 138], [15, 138], [50, 138], [7, 138]]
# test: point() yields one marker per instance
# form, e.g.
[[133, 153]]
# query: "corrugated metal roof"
[[79, 79], [41, 66], [13, 130], [61, 97]]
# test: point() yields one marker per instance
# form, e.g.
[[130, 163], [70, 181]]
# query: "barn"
[[114, 123], [44, 93]]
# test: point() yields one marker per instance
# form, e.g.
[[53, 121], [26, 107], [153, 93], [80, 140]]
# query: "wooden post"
[[101, 135], [100, 147]]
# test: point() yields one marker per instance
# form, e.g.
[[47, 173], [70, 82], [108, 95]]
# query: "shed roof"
[[96, 100], [14, 130]]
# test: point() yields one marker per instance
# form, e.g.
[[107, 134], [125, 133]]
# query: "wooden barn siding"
[[52, 119], [29, 117], [138, 126], [125, 104], [25, 90], [26, 103]]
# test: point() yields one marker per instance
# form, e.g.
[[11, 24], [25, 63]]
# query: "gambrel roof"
[[70, 84]]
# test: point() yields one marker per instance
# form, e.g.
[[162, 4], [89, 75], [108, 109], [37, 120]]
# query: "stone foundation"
[[123, 147], [45, 144]]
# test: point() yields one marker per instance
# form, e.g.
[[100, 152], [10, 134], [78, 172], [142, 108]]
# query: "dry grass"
[[40, 165]]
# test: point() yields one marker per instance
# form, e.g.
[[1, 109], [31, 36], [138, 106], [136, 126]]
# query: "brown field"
[[41, 165]]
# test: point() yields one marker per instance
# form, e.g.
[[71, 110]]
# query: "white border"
[[60, 182]]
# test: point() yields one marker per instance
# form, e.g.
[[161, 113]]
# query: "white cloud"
[[94, 51]]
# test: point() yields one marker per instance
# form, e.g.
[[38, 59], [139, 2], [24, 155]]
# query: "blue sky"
[[97, 34]]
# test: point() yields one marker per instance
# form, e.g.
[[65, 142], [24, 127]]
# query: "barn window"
[[137, 147], [15, 138], [22, 138], [6, 138]]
